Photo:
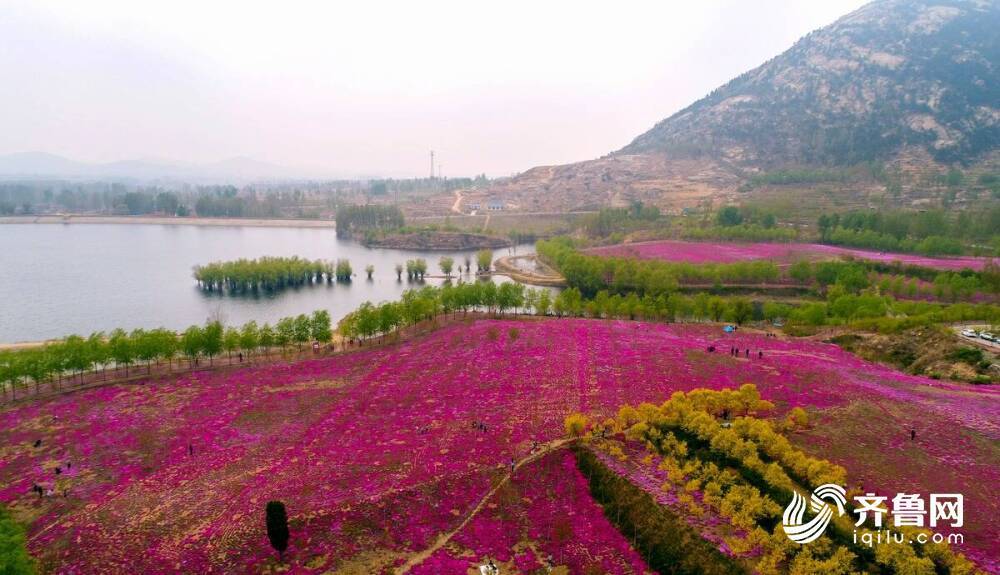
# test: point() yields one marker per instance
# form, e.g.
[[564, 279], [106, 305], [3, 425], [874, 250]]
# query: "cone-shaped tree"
[[277, 527]]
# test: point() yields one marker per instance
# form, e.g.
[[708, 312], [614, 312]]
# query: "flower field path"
[[444, 538]]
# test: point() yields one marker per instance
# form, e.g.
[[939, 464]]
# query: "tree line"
[[841, 307], [370, 217], [268, 273], [591, 274], [69, 359], [929, 232]]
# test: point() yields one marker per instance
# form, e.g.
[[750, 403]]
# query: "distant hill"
[[912, 85], [239, 169], [894, 73]]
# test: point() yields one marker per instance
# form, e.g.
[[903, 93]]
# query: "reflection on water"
[[77, 278]]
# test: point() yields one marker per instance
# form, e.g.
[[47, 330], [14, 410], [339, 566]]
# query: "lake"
[[59, 279]]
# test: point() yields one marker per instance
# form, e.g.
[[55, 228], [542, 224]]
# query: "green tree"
[[320, 328], [249, 337], [211, 342], [14, 557], [166, 345], [230, 341], [484, 259], [285, 332], [121, 349], [191, 343], [301, 329], [267, 338], [446, 263], [729, 216], [146, 347], [741, 310]]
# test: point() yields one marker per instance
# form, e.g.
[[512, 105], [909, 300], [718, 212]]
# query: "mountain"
[[238, 169], [894, 73], [912, 85]]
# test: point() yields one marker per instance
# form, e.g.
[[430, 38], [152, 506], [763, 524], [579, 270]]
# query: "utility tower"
[[432, 164]]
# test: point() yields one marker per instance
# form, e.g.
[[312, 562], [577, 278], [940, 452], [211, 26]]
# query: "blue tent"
[[729, 329]]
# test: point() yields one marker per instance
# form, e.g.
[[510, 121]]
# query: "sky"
[[351, 88]]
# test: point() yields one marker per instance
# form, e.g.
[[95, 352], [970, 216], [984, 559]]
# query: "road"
[[987, 345]]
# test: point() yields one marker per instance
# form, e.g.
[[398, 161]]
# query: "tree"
[[544, 302], [211, 342], [146, 347], [484, 259], [729, 216], [741, 310], [266, 337], [276, 520], [249, 337], [399, 272], [191, 343], [14, 557], [121, 348], [468, 264], [446, 263], [320, 326], [98, 351], [369, 269], [231, 341], [301, 330], [285, 332], [166, 344], [716, 308]]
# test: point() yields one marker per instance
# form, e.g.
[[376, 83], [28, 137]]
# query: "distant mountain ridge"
[[892, 74], [239, 169]]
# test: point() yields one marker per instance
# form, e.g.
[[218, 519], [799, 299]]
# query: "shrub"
[[576, 424]]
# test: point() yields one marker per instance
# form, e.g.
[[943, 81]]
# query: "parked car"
[[987, 336], [970, 333]]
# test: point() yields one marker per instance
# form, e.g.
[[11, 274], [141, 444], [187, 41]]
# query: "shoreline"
[[168, 221]]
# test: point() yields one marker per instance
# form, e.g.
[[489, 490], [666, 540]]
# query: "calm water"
[[77, 278]]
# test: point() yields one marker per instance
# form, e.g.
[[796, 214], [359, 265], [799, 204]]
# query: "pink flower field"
[[376, 456], [723, 252]]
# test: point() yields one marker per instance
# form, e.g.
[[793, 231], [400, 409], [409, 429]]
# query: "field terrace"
[[727, 252], [375, 454]]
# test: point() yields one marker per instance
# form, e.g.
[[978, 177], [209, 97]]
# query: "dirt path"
[[457, 206], [486, 223], [444, 538]]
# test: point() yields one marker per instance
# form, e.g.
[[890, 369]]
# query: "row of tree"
[[591, 274], [841, 307], [268, 273], [372, 320], [930, 232], [360, 218], [69, 359]]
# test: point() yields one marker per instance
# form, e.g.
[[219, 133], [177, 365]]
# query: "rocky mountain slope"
[[894, 73], [913, 85]]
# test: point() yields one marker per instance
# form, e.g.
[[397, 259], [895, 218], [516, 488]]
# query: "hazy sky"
[[369, 87]]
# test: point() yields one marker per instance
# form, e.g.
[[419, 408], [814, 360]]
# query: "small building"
[[494, 204]]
